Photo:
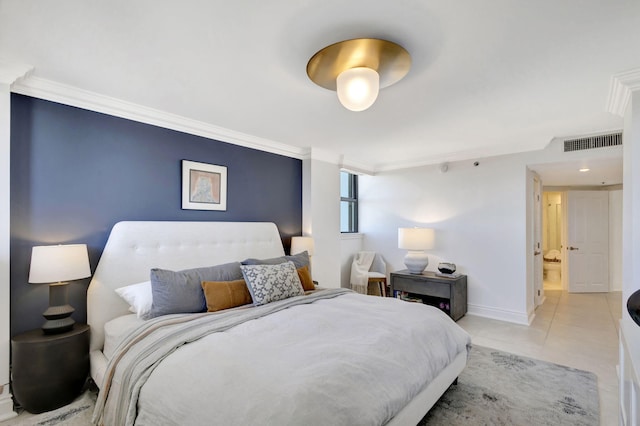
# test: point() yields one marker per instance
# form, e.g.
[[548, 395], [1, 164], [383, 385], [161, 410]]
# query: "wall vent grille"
[[592, 142]]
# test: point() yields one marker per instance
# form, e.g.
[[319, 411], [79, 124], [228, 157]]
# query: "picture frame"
[[204, 186]]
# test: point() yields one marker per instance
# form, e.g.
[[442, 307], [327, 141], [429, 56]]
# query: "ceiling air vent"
[[601, 141]]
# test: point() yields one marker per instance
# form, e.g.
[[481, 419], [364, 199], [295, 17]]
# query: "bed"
[[327, 357]]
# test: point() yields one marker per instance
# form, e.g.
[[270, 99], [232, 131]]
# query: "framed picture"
[[204, 186]]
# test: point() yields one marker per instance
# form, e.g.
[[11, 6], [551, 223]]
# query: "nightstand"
[[448, 294], [49, 370]]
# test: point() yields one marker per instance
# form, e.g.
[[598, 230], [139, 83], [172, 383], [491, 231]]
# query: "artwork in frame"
[[204, 186]]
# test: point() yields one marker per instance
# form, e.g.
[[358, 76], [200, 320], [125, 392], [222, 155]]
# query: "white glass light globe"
[[358, 88]]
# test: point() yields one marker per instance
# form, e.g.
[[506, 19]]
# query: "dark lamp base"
[[58, 325], [58, 314]]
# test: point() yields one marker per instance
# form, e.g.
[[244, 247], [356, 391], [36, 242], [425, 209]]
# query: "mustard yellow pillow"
[[305, 278], [225, 294]]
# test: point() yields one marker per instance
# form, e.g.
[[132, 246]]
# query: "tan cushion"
[[305, 278], [225, 294]]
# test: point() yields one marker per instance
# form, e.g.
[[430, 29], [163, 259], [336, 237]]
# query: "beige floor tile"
[[515, 333], [589, 322], [542, 315], [552, 286], [523, 349], [552, 297], [546, 308], [541, 324], [596, 336]]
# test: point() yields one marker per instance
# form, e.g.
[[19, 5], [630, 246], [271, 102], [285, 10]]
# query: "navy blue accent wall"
[[75, 173]]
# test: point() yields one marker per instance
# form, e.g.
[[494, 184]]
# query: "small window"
[[348, 202]]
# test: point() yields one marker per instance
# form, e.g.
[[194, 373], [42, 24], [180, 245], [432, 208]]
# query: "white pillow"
[[138, 296]]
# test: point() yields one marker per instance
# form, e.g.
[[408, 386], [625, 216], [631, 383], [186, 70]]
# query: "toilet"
[[551, 265]]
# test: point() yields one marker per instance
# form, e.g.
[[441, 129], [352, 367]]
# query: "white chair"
[[369, 268]]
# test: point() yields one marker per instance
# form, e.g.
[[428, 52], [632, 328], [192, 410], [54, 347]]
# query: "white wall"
[[321, 217], [482, 220], [478, 214], [349, 244], [615, 240]]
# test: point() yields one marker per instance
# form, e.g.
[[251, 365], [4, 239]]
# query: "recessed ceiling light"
[[584, 169]]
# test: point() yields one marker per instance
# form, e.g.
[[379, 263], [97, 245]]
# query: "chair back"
[[378, 265]]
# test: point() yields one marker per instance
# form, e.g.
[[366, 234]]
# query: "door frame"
[[536, 238], [564, 268]]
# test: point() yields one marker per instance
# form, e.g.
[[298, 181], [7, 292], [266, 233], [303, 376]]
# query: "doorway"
[[594, 171], [552, 239], [582, 239]]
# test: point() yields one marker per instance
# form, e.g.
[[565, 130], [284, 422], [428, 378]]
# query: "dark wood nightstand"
[[49, 370], [448, 294]]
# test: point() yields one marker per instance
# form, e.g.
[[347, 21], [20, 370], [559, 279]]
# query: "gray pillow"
[[181, 292], [269, 283], [299, 260]]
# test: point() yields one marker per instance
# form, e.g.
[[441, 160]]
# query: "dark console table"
[[435, 290]]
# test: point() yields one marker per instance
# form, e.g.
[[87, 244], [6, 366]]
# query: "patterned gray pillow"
[[269, 283]]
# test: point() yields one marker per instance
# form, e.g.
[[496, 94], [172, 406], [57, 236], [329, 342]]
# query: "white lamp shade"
[[358, 88], [300, 244], [415, 238], [59, 263]]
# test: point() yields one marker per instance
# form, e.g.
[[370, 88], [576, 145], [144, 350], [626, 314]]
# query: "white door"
[[537, 237], [587, 249]]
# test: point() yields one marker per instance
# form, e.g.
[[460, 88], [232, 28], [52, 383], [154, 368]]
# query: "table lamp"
[[415, 241], [300, 244], [57, 265]]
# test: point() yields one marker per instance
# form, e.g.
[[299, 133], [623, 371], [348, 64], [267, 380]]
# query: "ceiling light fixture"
[[584, 169], [358, 68]]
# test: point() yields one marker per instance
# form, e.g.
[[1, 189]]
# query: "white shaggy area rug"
[[496, 388]]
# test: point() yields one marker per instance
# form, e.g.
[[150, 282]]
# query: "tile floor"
[[577, 330]]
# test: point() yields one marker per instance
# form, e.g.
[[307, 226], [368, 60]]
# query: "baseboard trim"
[[6, 404], [500, 314]]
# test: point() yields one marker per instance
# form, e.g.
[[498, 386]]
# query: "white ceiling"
[[602, 171], [488, 77]]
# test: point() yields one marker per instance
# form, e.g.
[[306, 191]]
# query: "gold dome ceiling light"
[[358, 68]]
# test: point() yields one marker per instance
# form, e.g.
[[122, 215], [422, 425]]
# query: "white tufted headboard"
[[133, 248]]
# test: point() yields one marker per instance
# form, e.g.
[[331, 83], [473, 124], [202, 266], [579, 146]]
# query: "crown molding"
[[324, 155], [73, 96], [10, 72], [331, 157], [356, 167], [620, 89], [473, 154]]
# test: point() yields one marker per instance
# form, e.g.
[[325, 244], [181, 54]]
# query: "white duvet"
[[346, 360]]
